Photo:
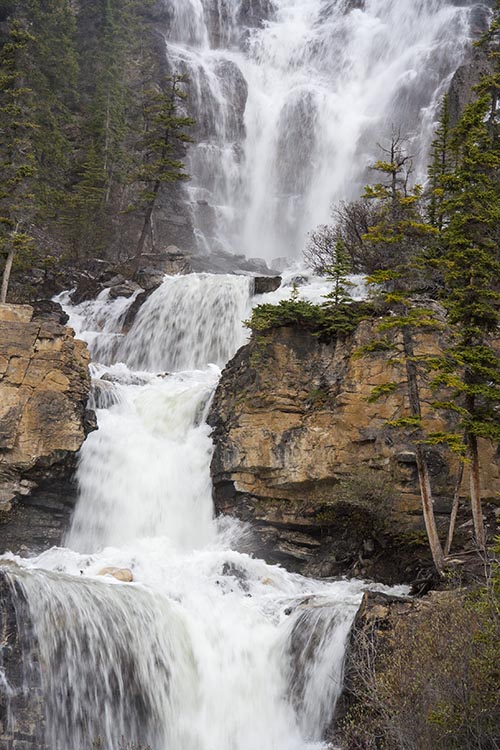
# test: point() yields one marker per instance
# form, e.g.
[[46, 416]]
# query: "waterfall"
[[188, 322], [291, 98], [207, 647]]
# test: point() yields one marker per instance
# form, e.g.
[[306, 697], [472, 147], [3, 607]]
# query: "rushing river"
[[208, 648]]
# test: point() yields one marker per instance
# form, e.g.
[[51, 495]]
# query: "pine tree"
[[161, 146], [17, 160], [471, 269], [439, 167], [338, 272], [403, 231], [53, 78], [469, 259]]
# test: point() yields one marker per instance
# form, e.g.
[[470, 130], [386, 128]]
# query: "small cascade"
[[291, 98], [210, 649], [188, 322], [117, 662], [316, 639], [98, 322], [145, 471]]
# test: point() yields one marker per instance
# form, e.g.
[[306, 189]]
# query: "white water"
[[289, 113], [208, 648]]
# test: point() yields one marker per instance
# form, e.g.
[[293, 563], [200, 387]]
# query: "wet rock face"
[[302, 455], [266, 284], [44, 386], [21, 704]]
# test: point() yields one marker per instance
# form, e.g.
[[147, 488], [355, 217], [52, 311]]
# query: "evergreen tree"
[[162, 145], [465, 179], [17, 160], [54, 78], [401, 231], [471, 270], [440, 167], [338, 272], [404, 234]]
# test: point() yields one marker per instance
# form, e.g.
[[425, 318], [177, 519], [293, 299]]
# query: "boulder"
[[266, 284], [121, 574]]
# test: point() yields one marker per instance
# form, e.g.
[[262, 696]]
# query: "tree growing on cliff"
[[470, 367], [162, 146], [399, 229], [18, 166]]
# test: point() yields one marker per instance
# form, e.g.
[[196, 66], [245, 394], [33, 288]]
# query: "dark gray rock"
[[22, 718], [266, 284]]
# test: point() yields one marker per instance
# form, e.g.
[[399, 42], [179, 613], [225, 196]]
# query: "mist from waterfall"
[[291, 98]]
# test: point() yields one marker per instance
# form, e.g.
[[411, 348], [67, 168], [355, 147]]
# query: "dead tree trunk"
[[6, 275], [422, 468]]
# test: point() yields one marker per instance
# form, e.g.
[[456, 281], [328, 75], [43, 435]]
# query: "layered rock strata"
[[304, 455], [44, 386]]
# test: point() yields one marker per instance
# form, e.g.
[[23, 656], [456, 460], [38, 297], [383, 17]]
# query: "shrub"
[[434, 682], [327, 320]]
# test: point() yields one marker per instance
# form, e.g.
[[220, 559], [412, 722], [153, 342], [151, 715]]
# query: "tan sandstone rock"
[[44, 386], [121, 574], [296, 437]]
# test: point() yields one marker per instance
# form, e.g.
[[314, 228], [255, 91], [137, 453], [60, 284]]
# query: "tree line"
[[91, 126]]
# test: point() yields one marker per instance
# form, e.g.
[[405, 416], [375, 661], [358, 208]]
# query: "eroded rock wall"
[[302, 454], [44, 386]]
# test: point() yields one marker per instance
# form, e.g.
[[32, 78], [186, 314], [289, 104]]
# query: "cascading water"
[[208, 647], [291, 98]]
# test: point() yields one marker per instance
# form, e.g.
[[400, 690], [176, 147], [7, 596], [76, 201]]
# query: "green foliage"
[[17, 161], [384, 389], [409, 422], [286, 312], [401, 231], [453, 440], [337, 273], [439, 167], [85, 77], [164, 133], [327, 320], [382, 345], [466, 175]]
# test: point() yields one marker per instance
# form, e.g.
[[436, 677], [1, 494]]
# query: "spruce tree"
[[405, 234], [439, 167], [467, 186], [338, 272], [471, 270], [162, 145], [53, 78], [17, 160]]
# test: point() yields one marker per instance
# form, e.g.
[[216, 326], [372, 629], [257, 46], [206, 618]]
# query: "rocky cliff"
[[301, 453], [44, 386]]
